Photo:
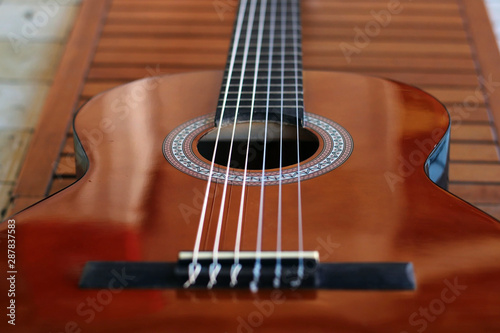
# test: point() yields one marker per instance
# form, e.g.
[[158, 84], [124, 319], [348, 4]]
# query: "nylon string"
[[277, 271], [236, 268], [300, 270], [215, 267], [194, 266], [257, 266]]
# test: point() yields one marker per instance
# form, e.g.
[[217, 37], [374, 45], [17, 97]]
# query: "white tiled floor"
[[32, 21], [21, 103], [32, 38], [35, 61]]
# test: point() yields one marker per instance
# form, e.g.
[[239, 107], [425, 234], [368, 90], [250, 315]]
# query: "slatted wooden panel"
[[423, 42]]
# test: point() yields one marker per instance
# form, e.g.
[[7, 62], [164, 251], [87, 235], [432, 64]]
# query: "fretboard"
[[273, 51]]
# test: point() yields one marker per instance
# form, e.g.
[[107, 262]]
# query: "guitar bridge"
[[260, 270], [266, 270]]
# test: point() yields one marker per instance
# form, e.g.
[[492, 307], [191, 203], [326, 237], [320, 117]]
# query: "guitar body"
[[378, 206]]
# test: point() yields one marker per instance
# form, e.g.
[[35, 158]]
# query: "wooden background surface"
[[443, 47]]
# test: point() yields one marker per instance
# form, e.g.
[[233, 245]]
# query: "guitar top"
[[258, 199]]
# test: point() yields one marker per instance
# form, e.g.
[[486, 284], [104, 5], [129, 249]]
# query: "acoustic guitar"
[[258, 199]]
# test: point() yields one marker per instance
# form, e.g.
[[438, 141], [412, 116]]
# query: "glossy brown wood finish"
[[131, 205]]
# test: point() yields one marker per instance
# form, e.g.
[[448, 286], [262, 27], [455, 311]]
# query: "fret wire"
[[271, 85], [263, 88], [261, 82], [287, 63], [265, 99], [279, 22], [277, 46], [275, 54], [265, 73], [288, 37], [276, 62], [290, 93], [272, 98], [233, 107], [272, 77], [258, 103], [289, 86], [289, 71], [260, 109], [288, 57]]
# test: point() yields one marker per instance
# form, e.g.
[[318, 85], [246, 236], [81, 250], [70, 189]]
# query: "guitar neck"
[[263, 74]]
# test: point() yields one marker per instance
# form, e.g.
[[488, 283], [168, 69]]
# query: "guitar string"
[[194, 267], [236, 267], [215, 267], [277, 271], [295, 27], [257, 265]]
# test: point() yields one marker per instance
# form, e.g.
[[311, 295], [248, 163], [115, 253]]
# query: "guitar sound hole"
[[308, 146]]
